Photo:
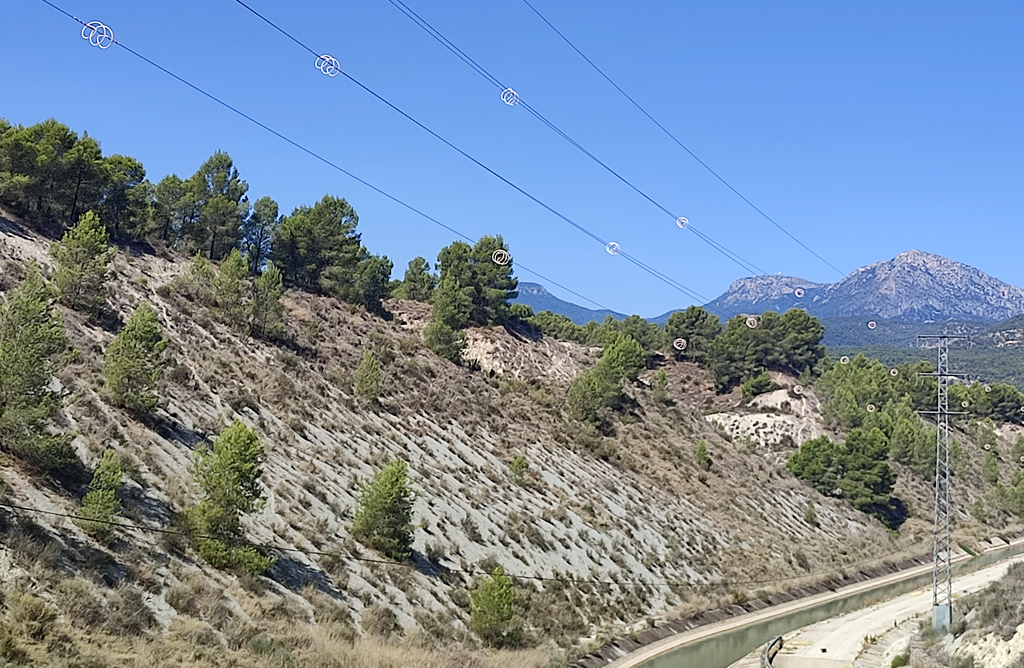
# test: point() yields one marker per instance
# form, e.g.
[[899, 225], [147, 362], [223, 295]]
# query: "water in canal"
[[722, 650]]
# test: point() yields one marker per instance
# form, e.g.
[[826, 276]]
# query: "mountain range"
[[913, 293], [913, 287]]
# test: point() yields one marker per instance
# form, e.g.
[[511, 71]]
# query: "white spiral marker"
[[98, 34], [679, 344], [329, 65], [613, 248], [510, 97], [844, 360], [500, 256], [871, 408], [872, 324], [799, 292], [752, 322], [682, 223]]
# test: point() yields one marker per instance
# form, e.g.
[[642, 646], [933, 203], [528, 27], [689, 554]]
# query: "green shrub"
[[229, 476], [101, 506], [33, 349], [901, 660], [383, 519], [231, 291], [134, 361], [625, 357], [517, 469], [266, 311], [444, 341], [990, 468], [758, 384], [701, 456], [810, 514], [659, 387], [83, 256], [492, 611], [369, 378]]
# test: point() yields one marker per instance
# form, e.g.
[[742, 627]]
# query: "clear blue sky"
[[866, 129]]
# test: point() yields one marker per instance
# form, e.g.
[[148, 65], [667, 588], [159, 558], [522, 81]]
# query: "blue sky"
[[865, 129]]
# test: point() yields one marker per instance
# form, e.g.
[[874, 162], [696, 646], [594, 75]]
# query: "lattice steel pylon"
[[942, 545]]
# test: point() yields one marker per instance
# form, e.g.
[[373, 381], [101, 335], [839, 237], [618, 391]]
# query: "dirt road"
[[845, 641]]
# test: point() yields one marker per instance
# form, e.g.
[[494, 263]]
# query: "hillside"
[[539, 299], [624, 527]]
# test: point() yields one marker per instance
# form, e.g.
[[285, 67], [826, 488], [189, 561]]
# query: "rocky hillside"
[[914, 286], [605, 531]]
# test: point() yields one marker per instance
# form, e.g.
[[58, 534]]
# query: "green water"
[[724, 649]]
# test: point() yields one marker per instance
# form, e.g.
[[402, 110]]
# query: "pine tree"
[[33, 347], [229, 476], [101, 505], [418, 283], [266, 311], [231, 289], [134, 361], [368, 378], [383, 517], [492, 611], [83, 256]]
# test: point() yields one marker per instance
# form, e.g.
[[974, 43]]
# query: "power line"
[[401, 564], [676, 140], [317, 155], [482, 71], [336, 68]]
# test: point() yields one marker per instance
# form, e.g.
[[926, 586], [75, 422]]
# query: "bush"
[[381, 621], [33, 349], [383, 519], [267, 311], [659, 387], [492, 611], [127, 612], [32, 616], [625, 357], [134, 361], [901, 660], [9, 649], [81, 602], [230, 290], [517, 469], [810, 514], [229, 476], [369, 378], [758, 384], [82, 256], [857, 470], [594, 391], [444, 341], [101, 506], [701, 456]]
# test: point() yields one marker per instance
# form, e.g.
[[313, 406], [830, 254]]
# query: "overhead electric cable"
[[335, 68], [677, 141], [314, 154], [482, 71], [454, 569]]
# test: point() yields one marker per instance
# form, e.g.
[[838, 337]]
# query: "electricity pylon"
[[942, 544]]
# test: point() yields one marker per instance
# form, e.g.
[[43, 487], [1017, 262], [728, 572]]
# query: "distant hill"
[[914, 293], [539, 299], [912, 287]]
